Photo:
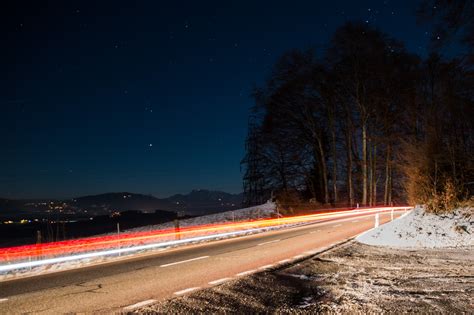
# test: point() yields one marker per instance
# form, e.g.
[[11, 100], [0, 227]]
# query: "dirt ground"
[[352, 278]]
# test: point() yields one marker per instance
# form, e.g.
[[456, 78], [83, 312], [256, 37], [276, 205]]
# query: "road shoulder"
[[350, 278]]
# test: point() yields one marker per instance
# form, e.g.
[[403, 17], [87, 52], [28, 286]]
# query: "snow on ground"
[[419, 229], [257, 212]]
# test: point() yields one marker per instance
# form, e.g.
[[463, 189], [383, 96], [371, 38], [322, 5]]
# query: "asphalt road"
[[131, 283]]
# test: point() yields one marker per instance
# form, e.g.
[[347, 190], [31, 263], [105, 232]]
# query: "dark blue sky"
[[149, 96]]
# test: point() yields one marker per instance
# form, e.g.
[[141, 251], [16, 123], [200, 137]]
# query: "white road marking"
[[186, 290], [284, 261], [184, 261], [266, 267], [139, 304], [298, 256], [337, 225], [268, 242], [314, 231], [219, 281], [355, 221], [311, 252], [245, 273]]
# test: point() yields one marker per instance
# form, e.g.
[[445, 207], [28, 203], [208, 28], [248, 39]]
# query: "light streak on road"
[[246, 273], [269, 242], [138, 305], [184, 261], [219, 281], [44, 254], [50, 261], [186, 291]]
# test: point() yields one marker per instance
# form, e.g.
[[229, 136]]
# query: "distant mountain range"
[[197, 202]]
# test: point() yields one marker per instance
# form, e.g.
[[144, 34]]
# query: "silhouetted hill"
[[122, 201], [202, 201], [197, 202], [11, 207]]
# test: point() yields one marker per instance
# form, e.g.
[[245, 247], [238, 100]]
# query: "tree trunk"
[[374, 176], [331, 116], [364, 164], [390, 186], [350, 190], [369, 175], [387, 176], [349, 179], [334, 167], [323, 172]]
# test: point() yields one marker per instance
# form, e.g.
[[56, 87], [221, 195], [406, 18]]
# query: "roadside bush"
[[429, 178], [445, 200], [287, 201]]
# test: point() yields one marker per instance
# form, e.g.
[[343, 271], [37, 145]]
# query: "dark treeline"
[[366, 122]]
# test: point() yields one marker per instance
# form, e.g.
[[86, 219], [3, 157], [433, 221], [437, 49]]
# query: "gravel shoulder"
[[352, 278]]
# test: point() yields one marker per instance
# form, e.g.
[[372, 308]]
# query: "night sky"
[[150, 96]]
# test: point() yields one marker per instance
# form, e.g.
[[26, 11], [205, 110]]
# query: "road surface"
[[131, 283]]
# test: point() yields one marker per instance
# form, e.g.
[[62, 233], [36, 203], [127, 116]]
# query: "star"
[[150, 145]]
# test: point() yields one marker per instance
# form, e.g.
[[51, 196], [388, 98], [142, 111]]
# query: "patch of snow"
[[266, 210], [301, 277], [419, 229], [306, 302]]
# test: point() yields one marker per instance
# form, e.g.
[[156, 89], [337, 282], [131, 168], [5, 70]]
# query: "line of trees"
[[367, 123]]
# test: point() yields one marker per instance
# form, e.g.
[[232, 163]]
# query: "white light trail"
[[56, 260], [49, 261]]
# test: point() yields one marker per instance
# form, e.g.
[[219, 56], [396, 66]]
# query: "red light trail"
[[192, 233]]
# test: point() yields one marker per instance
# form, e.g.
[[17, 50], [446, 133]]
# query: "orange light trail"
[[83, 245]]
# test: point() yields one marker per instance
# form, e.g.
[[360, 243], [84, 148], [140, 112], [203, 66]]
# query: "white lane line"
[[337, 225], [298, 256], [245, 273], [139, 304], [311, 252], [268, 242], [314, 231], [219, 281], [266, 267], [184, 261], [186, 290], [355, 221], [284, 261]]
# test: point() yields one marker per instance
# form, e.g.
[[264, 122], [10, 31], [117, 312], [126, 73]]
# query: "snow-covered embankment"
[[419, 229], [265, 210]]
